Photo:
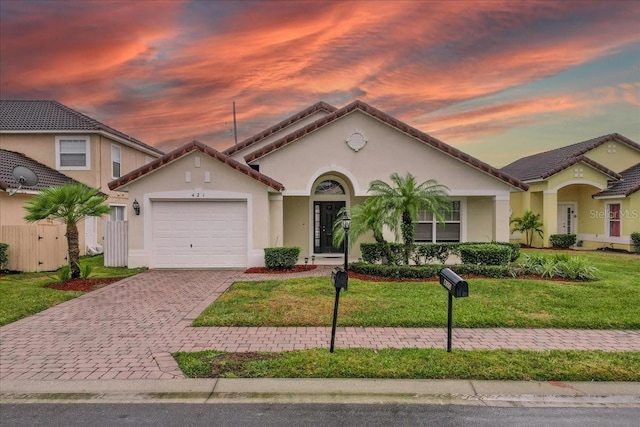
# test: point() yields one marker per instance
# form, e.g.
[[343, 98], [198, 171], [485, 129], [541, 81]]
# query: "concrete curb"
[[368, 391]]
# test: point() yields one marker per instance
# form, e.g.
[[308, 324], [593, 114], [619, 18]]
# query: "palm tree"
[[364, 217], [70, 204], [528, 223], [402, 202]]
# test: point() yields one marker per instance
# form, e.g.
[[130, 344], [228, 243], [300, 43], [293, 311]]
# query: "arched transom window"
[[329, 187]]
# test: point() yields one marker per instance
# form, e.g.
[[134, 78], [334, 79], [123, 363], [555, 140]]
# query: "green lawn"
[[558, 365], [611, 302], [24, 294]]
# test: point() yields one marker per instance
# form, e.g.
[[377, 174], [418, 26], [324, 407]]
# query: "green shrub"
[[281, 258], [635, 238], [485, 254], [576, 268], [3, 255], [385, 253], [430, 270], [562, 241], [561, 265], [64, 273], [86, 270]]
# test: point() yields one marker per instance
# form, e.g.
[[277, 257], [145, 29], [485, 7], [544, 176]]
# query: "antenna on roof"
[[235, 128], [25, 177]]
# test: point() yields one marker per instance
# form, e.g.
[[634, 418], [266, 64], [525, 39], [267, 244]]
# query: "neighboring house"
[[73, 144], [203, 208], [591, 189]]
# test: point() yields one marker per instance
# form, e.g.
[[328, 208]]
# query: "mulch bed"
[[265, 270], [83, 285]]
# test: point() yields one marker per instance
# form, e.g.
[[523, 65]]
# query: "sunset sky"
[[498, 79]]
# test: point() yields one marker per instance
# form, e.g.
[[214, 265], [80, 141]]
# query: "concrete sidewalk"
[[371, 391]]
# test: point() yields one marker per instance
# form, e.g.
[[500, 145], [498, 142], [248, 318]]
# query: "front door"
[[324, 215], [566, 219]]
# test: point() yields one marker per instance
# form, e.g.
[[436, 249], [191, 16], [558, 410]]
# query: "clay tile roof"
[[543, 165], [628, 184], [393, 122], [52, 116], [187, 148], [319, 106], [47, 177]]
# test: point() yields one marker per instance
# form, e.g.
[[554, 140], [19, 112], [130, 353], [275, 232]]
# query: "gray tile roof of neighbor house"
[[47, 177], [52, 116], [628, 184], [543, 165]]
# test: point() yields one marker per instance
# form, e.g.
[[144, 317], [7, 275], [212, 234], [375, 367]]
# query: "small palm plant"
[[70, 204], [528, 223]]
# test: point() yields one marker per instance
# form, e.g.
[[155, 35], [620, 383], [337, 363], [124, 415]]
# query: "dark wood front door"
[[324, 215]]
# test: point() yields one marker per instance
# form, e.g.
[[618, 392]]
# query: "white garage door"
[[199, 234]]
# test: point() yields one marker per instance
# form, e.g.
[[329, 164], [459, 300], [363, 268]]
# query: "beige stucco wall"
[[480, 219], [298, 164], [296, 224], [615, 155], [168, 183], [578, 173], [239, 156]]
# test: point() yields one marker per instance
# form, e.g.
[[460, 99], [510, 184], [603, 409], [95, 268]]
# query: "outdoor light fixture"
[[136, 207], [346, 224], [306, 261], [313, 259]]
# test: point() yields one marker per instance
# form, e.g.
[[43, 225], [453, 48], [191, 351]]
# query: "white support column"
[[276, 220], [501, 218]]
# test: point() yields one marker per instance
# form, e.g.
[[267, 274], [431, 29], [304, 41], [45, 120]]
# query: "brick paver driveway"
[[129, 329]]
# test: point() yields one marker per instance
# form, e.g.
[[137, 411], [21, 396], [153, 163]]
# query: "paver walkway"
[[129, 329]]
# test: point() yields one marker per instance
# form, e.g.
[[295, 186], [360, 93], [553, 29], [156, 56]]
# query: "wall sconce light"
[[136, 207]]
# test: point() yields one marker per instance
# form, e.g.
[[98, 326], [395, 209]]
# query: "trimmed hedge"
[[424, 253], [635, 238], [562, 241], [485, 254], [430, 271], [3, 255], [281, 258]]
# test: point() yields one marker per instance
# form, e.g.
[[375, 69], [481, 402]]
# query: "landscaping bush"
[[426, 253], [562, 241], [64, 273], [385, 253], [3, 255], [86, 270], [281, 258], [429, 271], [635, 238], [560, 265], [485, 254]]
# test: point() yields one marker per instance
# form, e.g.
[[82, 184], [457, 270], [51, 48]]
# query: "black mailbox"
[[340, 278], [453, 283]]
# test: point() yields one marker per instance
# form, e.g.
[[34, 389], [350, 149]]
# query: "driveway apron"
[[129, 329]]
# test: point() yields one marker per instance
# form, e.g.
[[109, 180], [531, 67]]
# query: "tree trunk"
[[408, 235], [74, 250]]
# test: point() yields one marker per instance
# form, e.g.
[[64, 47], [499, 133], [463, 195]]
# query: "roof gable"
[[628, 184], [185, 149], [319, 106], [543, 165], [52, 116], [394, 123], [47, 177]]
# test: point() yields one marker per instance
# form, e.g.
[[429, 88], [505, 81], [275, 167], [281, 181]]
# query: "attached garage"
[[199, 234]]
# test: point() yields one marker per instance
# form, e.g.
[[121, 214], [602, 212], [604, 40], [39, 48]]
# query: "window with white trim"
[[117, 213], [429, 230], [115, 161], [614, 219], [72, 153]]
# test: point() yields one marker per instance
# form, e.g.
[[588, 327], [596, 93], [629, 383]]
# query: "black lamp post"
[[346, 224]]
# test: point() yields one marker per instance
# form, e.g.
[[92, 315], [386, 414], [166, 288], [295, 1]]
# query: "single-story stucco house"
[[591, 189], [201, 208]]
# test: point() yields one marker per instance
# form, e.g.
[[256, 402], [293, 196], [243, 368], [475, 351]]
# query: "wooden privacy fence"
[[115, 243], [39, 247]]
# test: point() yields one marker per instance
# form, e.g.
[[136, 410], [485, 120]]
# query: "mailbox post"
[[457, 288], [339, 279]]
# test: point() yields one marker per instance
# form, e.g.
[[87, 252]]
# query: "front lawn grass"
[[24, 294], [608, 303], [520, 365]]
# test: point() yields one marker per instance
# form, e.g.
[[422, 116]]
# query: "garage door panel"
[[188, 234]]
